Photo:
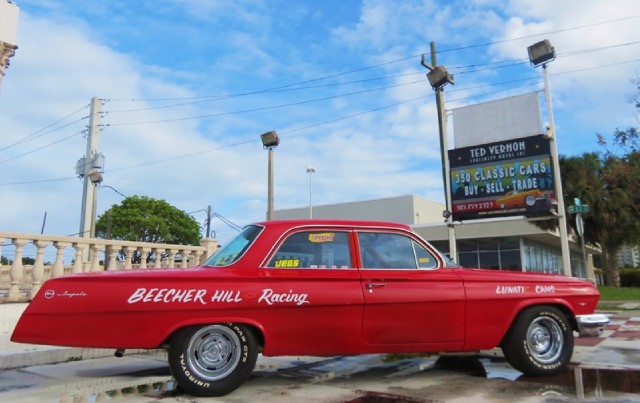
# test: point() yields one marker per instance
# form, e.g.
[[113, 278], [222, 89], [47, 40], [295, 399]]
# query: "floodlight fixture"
[[541, 53], [270, 139], [438, 76]]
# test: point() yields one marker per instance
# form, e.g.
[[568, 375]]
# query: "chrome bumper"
[[591, 325]]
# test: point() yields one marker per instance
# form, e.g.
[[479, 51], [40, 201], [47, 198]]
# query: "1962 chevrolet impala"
[[314, 287]]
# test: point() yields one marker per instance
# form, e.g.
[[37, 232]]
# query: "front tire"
[[212, 360], [539, 342]]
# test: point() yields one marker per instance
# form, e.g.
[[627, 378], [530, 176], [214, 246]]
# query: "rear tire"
[[212, 360], [539, 342]]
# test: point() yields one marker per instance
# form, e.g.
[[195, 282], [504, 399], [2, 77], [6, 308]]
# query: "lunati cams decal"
[[521, 289]]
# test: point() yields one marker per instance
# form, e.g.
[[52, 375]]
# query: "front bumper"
[[591, 325]]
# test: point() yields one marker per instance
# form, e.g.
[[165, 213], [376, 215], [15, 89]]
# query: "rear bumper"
[[591, 325]]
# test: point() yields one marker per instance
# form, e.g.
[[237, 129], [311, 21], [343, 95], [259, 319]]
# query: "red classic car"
[[314, 287]]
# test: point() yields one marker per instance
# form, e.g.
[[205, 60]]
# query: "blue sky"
[[188, 86]]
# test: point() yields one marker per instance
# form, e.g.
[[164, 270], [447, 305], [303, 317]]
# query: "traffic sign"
[[580, 225], [578, 209]]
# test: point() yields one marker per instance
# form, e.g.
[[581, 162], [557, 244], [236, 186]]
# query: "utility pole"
[[208, 221], [439, 77], [90, 168]]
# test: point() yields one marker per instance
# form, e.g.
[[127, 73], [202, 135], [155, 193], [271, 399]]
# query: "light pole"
[[310, 170], [541, 53], [8, 31], [270, 140], [439, 77]]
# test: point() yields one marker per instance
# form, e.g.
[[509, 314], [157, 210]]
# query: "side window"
[[425, 259], [313, 250], [386, 251]]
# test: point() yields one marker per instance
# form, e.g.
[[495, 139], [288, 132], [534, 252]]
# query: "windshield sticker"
[[322, 237], [287, 263], [270, 297], [424, 260]]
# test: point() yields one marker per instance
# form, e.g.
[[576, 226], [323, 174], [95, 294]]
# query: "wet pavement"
[[604, 369]]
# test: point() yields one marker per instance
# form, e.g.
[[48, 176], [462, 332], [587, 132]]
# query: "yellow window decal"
[[322, 237], [424, 260], [287, 263]]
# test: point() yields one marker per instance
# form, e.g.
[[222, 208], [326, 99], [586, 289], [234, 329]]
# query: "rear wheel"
[[212, 360], [539, 342]]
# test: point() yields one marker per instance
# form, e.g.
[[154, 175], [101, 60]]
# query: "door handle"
[[371, 286]]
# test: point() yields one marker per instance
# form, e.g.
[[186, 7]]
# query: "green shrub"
[[629, 277]]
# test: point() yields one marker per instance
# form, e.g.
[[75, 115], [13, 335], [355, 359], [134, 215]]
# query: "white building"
[[628, 256], [501, 244]]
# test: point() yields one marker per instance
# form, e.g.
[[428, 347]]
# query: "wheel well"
[[562, 308]]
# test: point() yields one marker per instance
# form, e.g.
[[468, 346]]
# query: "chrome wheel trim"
[[213, 352], [545, 340]]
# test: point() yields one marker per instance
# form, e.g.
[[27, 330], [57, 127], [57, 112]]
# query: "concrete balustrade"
[[55, 256]]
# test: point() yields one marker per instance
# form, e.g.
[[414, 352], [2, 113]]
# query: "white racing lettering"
[[510, 289], [167, 295], [226, 296], [270, 297], [188, 374], [545, 289]]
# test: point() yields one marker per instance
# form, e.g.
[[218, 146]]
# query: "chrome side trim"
[[591, 325]]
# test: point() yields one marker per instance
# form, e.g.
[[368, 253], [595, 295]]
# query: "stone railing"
[[20, 282]]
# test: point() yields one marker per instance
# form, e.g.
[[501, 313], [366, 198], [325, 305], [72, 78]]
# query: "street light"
[[438, 77], [310, 170], [270, 140], [540, 53]]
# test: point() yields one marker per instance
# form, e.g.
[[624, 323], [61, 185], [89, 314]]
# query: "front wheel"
[[539, 342], [212, 360]]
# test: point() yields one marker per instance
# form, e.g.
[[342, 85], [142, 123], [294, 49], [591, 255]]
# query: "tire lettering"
[[188, 374]]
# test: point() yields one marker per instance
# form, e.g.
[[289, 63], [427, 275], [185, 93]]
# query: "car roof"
[[333, 223]]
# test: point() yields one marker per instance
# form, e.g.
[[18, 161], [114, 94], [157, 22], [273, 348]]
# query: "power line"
[[265, 107], [540, 34], [330, 122], [41, 148], [365, 68], [38, 133]]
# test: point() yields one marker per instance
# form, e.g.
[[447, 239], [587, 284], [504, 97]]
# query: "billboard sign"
[[504, 178]]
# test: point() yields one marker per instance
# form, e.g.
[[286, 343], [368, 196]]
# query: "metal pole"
[[310, 202], [562, 218], [442, 127], [310, 170], [89, 189], [270, 186]]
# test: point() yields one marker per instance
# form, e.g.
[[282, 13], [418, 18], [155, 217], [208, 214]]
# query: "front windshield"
[[232, 251]]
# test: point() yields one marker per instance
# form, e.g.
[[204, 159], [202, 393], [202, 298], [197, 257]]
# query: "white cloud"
[[183, 50]]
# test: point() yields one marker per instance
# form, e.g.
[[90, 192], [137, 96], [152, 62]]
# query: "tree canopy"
[[609, 182], [140, 218]]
